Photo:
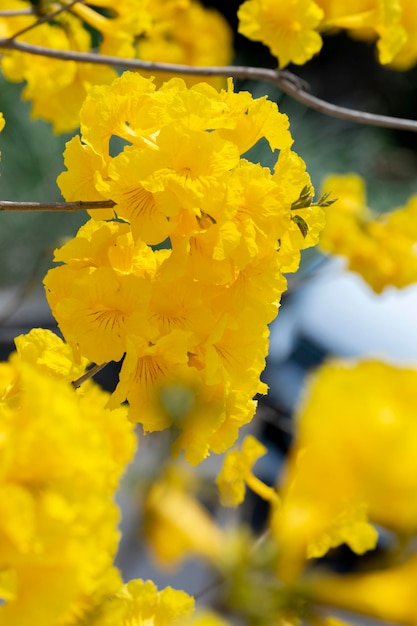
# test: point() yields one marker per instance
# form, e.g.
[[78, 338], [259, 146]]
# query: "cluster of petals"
[[157, 30], [292, 30], [379, 247], [186, 280], [62, 456]]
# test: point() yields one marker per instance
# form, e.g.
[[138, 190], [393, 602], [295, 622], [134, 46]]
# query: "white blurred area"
[[336, 314]]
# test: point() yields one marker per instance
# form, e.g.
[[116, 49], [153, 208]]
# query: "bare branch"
[[286, 81], [6, 205], [89, 374]]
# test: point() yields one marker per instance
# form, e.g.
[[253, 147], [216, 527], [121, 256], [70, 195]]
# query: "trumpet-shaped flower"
[[368, 19], [288, 29]]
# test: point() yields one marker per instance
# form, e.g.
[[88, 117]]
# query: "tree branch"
[[95, 369], [284, 80], [6, 205]]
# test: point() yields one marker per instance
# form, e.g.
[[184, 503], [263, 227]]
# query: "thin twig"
[[6, 205], [286, 81], [46, 18], [89, 374]]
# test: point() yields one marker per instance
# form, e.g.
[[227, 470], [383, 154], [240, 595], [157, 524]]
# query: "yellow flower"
[[155, 31], [148, 362], [139, 602], [387, 594], [176, 524], [353, 416], [368, 19], [94, 317], [64, 83], [174, 41], [406, 57], [237, 472], [378, 247], [288, 29]]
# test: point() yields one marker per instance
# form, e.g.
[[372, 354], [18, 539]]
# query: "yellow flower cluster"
[[291, 29], [153, 30], [191, 316], [381, 248], [62, 455]]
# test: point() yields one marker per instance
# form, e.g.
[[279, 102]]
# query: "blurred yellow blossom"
[[289, 29], [139, 602], [237, 472], [381, 248], [354, 415], [62, 455], [177, 525], [369, 19], [155, 31], [387, 594]]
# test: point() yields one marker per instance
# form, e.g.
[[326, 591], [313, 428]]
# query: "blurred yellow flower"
[[381, 248], [237, 472], [177, 525], [140, 603], [354, 415], [62, 454], [289, 28]]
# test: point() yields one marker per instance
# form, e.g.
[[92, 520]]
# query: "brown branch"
[[286, 81], [6, 205], [89, 374]]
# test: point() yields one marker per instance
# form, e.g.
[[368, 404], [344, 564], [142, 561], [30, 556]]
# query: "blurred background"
[[326, 312]]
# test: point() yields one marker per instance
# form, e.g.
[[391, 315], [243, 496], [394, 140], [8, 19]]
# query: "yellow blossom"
[[406, 57], [381, 248], [288, 29], [368, 19], [353, 415], [387, 594], [177, 525], [237, 472], [139, 602], [174, 41], [156, 31], [192, 316]]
